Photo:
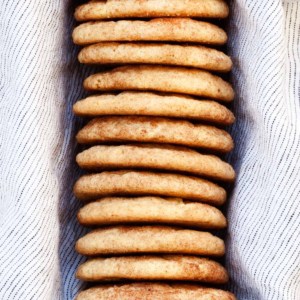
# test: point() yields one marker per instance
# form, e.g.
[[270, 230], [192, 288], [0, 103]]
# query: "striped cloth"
[[40, 79]]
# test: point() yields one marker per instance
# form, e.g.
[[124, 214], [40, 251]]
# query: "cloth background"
[[40, 79]]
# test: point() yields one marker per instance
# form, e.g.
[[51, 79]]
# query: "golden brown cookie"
[[118, 210], [163, 79], [93, 186], [113, 9], [161, 29], [149, 239], [151, 156], [154, 130], [150, 104], [163, 54], [167, 267], [154, 291]]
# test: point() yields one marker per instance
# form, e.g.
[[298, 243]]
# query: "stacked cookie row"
[[153, 182]]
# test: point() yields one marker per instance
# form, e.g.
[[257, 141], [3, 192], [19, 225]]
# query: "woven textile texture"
[[40, 79]]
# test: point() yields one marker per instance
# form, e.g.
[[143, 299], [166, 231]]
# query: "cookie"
[[167, 267], [163, 79], [149, 156], [154, 130], [93, 186], [161, 29], [154, 291], [163, 54], [118, 210], [149, 239], [150, 104], [113, 9]]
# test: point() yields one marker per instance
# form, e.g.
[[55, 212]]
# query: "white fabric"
[[264, 210], [40, 79]]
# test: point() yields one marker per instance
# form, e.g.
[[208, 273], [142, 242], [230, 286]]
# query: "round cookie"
[[161, 29], [150, 104], [149, 239], [93, 186], [165, 267], [154, 291], [175, 211], [163, 79], [161, 157], [154, 130], [163, 54], [113, 9]]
